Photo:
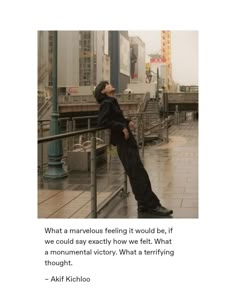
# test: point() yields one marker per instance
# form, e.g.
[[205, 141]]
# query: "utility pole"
[[55, 152]]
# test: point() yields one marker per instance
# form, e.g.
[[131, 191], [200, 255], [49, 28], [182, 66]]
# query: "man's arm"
[[105, 120]]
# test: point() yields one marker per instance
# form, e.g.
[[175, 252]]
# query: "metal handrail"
[[69, 134], [93, 181], [92, 130]]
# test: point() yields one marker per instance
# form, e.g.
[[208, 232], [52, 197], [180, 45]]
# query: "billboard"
[[124, 56], [137, 62]]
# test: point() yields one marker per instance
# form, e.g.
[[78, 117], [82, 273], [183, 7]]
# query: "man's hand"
[[126, 133], [132, 125]]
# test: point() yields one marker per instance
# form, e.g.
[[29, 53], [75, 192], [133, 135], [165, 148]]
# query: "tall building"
[[94, 59], [87, 60], [166, 55], [83, 60], [137, 60]]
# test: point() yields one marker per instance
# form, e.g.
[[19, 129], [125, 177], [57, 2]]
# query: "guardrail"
[[80, 99], [183, 97]]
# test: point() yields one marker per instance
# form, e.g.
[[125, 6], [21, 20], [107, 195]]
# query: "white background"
[[205, 247]]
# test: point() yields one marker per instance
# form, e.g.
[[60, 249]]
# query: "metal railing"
[[187, 97], [144, 128], [70, 141], [77, 99], [93, 147]]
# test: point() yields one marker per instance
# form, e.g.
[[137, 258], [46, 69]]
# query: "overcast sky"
[[184, 52]]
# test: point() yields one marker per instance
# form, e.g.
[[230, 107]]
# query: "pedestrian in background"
[[111, 116]]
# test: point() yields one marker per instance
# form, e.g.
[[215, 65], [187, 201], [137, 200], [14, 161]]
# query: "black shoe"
[[159, 210]]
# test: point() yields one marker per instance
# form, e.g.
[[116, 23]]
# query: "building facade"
[[166, 54], [83, 60], [137, 60]]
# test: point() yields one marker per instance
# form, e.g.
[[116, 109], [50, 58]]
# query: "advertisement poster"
[[124, 56]]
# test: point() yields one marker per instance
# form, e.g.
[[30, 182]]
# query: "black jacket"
[[111, 116]]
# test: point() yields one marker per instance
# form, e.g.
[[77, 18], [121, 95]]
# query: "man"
[[111, 116]]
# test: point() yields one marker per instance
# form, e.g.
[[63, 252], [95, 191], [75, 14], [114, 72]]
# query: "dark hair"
[[98, 91]]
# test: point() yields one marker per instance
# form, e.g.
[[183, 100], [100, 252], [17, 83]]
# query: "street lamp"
[[55, 152]]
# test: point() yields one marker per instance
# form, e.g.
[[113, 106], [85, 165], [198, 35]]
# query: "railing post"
[[69, 127], [142, 118], [89, 126], [161, 130], [176, 114], [73, 129], [138, 130], [93, 186], [41, 148], [167, 130], [73, 124], [68, 130]]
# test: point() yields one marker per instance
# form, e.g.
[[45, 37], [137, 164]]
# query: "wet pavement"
[[173, 171], [172, 168]]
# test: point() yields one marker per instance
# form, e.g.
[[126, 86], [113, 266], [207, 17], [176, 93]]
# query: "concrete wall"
[[143, 88], [85, 90]]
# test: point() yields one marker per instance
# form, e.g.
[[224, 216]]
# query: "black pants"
[[138, 177]]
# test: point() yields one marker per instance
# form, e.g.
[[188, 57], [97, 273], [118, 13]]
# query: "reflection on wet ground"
[[172, 168]]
